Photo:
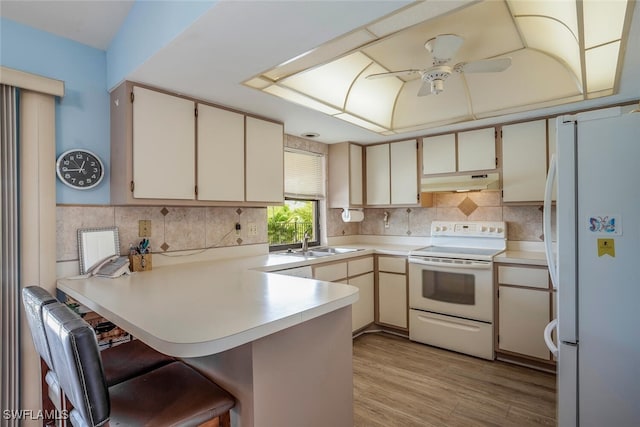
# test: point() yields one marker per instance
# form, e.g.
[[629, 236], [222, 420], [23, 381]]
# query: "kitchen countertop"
[[521, 257], [237, 301], [204, 308]]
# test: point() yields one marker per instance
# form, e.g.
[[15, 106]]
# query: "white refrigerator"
[[596, 268]]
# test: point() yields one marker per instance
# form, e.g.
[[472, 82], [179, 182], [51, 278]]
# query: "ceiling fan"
[[443, 48]]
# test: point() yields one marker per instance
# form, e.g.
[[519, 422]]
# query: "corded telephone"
[[111, 266]]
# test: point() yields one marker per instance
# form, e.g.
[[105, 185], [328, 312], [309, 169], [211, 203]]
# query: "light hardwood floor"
[[398, 382]]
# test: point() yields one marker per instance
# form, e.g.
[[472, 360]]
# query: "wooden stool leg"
[[223, 420]]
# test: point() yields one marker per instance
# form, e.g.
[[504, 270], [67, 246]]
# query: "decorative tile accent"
[[486, 213], [164, 211], [408, 210], [239, 241], [184, 228], [239, 211], [467, 206], [164, 246]]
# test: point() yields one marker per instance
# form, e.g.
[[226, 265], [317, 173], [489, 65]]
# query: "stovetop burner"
[[479, 240]]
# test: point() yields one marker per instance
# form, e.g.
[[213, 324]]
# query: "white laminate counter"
[[204, 308], [521, 257]]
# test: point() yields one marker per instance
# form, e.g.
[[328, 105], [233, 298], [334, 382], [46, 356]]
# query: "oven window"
[[455, 288]]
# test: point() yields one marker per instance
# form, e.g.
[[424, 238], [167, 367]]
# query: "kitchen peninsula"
[[282, 345]]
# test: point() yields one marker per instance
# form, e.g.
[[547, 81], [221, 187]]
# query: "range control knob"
[[483, 229], [437, 228], [492, 229]]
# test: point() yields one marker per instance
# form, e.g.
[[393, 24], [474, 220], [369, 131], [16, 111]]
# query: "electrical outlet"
[[253, 229], [144, 228]]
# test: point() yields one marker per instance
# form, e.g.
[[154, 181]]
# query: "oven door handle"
[[469, 265]]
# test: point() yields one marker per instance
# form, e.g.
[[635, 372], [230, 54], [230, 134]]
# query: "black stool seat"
[[174, 394], [128, 360]]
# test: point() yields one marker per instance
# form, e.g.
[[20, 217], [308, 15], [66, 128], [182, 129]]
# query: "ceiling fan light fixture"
[[437, 86]]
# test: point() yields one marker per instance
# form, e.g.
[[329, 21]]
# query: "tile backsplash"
[[524, 223], [172, 228], [186, 228]]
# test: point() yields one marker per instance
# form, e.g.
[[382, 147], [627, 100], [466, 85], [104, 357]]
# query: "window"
[[303, 188]]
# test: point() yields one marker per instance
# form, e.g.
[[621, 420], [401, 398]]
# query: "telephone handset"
[[112, 266]]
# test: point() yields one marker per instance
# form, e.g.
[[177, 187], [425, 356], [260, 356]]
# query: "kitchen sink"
[[320, 252]]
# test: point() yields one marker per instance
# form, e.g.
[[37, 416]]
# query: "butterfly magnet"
[[605, 224]]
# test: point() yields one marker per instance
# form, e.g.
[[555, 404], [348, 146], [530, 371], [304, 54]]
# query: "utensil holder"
[[140, 262]]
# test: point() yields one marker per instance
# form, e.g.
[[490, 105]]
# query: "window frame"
[[316, 223]]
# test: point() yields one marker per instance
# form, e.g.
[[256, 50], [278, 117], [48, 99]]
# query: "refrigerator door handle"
[[548, 330], [546, 224]]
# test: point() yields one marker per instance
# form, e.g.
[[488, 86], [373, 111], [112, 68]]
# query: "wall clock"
[[80, 169]]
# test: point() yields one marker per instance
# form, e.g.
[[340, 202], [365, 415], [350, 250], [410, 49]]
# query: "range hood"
[[488, 181]]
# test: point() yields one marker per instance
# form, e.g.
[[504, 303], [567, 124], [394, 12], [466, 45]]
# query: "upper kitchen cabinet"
[[345, 175], [378, 175], [392, 173], [220, 131], [524, 161], [166, 151], [473, 150], [439, 154], [477, 150], [264, 161], [164, 148]]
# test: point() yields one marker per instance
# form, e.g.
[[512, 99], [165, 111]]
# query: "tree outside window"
[[287, 224]]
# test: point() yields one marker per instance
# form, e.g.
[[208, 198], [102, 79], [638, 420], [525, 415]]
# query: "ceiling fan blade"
[[444, 47], [403, 73], [425, 89], [484, 65]]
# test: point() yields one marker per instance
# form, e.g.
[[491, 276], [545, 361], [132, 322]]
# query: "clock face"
[[80, 169]]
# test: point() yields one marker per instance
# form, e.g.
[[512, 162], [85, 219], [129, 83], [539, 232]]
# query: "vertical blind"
[[303, 175], [9, 254]]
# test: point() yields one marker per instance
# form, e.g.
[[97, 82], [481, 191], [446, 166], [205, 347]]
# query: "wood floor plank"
[[398, 382]]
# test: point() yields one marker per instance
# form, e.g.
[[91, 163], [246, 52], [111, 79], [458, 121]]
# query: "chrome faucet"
[[305, 242]]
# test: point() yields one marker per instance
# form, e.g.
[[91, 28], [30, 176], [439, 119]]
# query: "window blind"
[[303, 175]]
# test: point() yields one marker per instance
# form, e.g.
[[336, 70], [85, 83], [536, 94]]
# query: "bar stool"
[[173, 394], [120, 363]]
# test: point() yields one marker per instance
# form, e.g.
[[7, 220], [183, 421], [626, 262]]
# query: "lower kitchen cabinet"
[[362, 310], [392, 291], [357, 272], [525, 300]]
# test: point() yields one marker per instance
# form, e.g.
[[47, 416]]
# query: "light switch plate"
[[144, 228]]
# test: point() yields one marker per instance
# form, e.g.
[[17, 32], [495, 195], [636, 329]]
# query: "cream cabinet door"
[[524, 161], [404, 172], [392, 299], [439, 154], [362, 310], [477, 150], [264, 161], [378, 175], [220, 154], [163, 146], [355, 175], [523, 315]]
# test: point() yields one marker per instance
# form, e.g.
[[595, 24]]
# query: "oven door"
[[453, 287]]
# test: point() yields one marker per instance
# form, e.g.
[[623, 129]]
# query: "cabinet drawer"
[[523, 276], [330, 272], [360, 266], [392, 264]]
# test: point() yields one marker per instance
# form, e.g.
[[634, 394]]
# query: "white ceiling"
[[237, 40]]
